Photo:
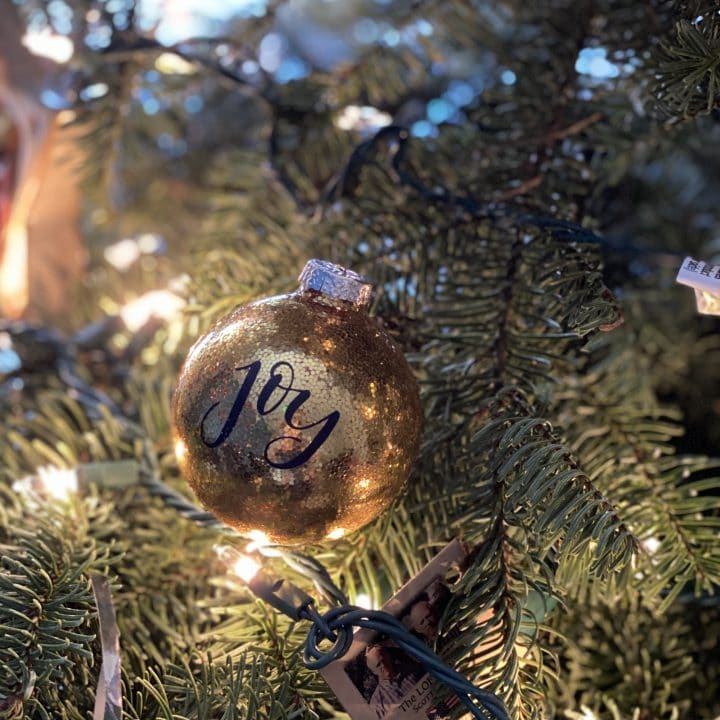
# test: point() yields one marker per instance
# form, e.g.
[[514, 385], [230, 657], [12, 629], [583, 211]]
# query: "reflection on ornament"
[[336, 533], [180, 450], [298, 417], [369, 411]]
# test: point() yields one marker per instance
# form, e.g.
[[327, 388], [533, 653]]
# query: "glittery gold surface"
[[348, 365]]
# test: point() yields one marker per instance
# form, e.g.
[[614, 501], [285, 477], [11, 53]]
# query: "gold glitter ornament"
[[296, 416]]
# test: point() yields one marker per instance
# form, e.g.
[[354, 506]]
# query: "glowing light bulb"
[[58, 483], [363, 600], [282, 595], [651, 545], [161, 304], [49, 482], [362, 117], [14, 270], [246, 568]]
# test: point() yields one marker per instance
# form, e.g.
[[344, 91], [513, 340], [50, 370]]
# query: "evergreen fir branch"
[[687, 520], [63, 433], [383, 77], [688, 67], [151, 392], [251, 628], [483, 298], [120, 50], [532, 509], [156, 618], [306, 153], [203, 689], [259, 240], [384, 555], [703, 641], [490, 632], [407, 160], [544, 490], [104, 123], [669, 501], [47, 640], [156, 591], [641, 668]]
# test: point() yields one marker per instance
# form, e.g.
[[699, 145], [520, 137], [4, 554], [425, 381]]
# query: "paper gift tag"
[[705, 280], [376, 680]]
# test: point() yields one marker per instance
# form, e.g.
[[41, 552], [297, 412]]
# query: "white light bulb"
[[49, 482], [336, 533], [363, 600], [362, 117], [651, 545], [246, 568], [241, 565]]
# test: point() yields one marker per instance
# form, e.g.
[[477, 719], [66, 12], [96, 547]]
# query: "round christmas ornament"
[[297, 416]]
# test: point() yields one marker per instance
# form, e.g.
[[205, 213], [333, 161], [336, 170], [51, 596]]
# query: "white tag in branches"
[[705, 280]]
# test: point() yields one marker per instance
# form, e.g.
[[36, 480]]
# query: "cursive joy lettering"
[[279, 388]]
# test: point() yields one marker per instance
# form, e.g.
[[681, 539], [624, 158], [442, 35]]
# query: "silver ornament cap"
[[335, 282]]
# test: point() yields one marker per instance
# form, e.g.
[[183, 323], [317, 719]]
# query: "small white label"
[[705, 280]]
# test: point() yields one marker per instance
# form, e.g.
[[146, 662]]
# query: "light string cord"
[[150, 480], [308, 567], [397, 137], [337, 626], [363, 153]]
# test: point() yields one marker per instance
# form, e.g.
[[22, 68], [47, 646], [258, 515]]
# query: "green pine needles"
[[47, 640]]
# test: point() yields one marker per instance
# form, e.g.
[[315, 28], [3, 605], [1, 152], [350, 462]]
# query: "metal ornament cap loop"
[[335, 282]]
